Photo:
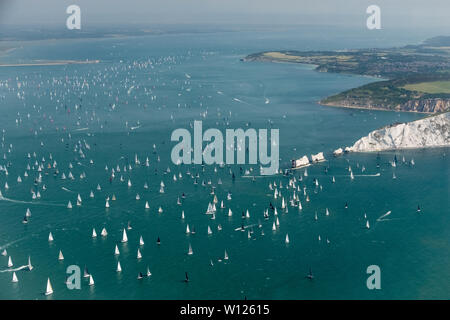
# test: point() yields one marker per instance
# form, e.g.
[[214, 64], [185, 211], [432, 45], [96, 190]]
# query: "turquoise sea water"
[[159, 83]]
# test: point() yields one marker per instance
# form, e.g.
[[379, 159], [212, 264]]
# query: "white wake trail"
[[15, 269]]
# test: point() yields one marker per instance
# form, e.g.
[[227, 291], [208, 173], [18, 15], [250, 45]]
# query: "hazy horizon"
[[394, 14]]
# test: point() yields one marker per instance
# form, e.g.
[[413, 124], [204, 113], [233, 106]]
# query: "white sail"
[[91, 280], [30, 266], [147, 206], [49, 289], [141, 241], [107, 204], [94, 233], [119, 268], [116, 251], [50, 237], [287, 239], [14, 277], [367, 224], [124, 236], [230, 213], [190, 251], [226, 255], [139, 255], [148, 272], [209, 230], [69, 205], [10, 263], [104, 232], [60, 256], [187, 229]]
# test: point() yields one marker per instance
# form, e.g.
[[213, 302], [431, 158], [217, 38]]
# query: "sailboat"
[[124, 236], [91, 280], [116, 251], [30, 266], [367, 224], [209, 230], [147, 206], [310, 275], [86, 272], [287, 239], [69, 205], [104, 233], [148, 272], [94, 233], [327, 213], [14, 277], [50, 237], [190, 252], [60, 256], [226, 255], [119, 267], [49, 289], [141, 241], [10, 263]]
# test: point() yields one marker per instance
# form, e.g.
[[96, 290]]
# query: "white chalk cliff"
[[432, 131]]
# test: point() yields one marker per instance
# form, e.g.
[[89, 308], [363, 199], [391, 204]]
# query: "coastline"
[[50, 63], [367, 108], [405, 148]]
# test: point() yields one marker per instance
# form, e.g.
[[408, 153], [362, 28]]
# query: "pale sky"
[[396, 13]]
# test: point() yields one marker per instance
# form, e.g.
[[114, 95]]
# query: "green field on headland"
[[419, 75]]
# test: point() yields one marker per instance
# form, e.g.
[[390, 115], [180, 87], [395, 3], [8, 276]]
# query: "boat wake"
[[2, 198], [368, 175], [245, 227], [384, 216], [15, 269], [65, 189]]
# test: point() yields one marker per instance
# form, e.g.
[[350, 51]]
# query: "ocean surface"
[[90, 116]]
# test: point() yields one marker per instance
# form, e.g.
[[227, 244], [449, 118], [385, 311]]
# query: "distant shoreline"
[[50, 63], [366, 108]]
